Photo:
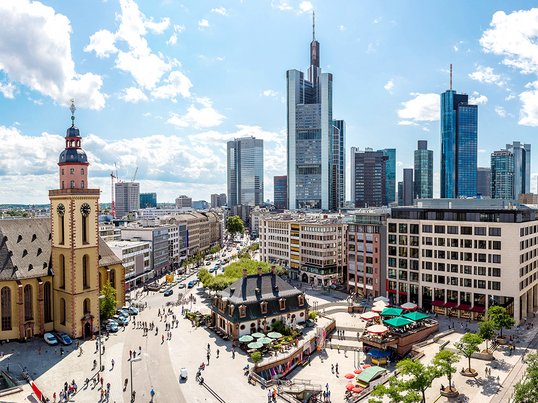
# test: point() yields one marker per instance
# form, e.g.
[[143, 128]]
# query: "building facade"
[[158, 240], [183, 202], [368, 177], [136, 259], [483, 182], [218, 200], [338, 182], [281, 192], [408, 187], [127, 198], [423, 171], [459, 136], [502, 174], [522, 167], [245, 171], [148, 200], [390, 176]]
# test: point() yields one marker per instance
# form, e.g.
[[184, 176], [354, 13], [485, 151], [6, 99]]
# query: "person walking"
[[112, 362], [152, 393]]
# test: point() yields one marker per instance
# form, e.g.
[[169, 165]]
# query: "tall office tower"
[[148, 200], [502, 174], [483, 181], [127, 198], [281, 192], [459, 132], [245, 172], [423, 171], [400, 194], [408, 187], [368, 177], [218, 200], [338, 195], [522, 167], [183, 202], [311, 138], [390, 175]]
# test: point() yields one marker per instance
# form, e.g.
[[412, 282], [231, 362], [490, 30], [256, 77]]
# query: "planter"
[[501, 340], [450, 392], [472, 373]]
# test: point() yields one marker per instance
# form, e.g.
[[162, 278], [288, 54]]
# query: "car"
[[131, 310], [191, 284], [121, 312], [121, 320], [63, 338], [182, 285], [112, 326], [183, 374], [168, 292], [50, 339], [208, 263]]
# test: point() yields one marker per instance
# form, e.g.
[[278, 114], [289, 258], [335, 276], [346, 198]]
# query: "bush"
[[313, 315], [256, 357], [233, 272]]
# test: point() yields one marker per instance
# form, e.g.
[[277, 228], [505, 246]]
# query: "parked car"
[[183, 374], [191, 284], [112, 326], [50, 339], [121, 312], [168, 292], [130, 310], [182, 285], [208, 263], [121, 320], [63, 338]]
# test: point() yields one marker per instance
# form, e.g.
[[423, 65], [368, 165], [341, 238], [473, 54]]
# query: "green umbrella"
[[246, 338], [265, 340], [415, 316], [391, 312], [274, 335], [255, 345], [257, 335], [398, 322]]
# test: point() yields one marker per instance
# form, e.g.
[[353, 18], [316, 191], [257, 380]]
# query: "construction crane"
[[134, 176]]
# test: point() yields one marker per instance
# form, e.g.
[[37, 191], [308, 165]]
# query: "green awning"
[[371, 373], [397, 322], [392, 312], [415, 316]]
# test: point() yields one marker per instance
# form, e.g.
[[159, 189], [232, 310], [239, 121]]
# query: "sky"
[[162, 85]]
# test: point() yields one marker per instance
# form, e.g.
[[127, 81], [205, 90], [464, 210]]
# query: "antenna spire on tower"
[[450, 76], [72, 109], [313, 25]]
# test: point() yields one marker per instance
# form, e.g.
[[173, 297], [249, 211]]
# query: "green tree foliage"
[[468, 345], [235, 225], [444, 362], [526, 390], [215, 249], [486, 330], [256, 357], [395, 391], [108, 303], [500, 317]]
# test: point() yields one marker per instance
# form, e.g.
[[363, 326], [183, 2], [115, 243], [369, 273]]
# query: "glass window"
[[439, 229], [494, 232], [480, 230], [427, 228], [48, 301], [5, 296], [28, 303]]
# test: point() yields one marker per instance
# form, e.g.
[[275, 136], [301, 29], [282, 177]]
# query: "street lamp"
[[131, 362], [100, 349]]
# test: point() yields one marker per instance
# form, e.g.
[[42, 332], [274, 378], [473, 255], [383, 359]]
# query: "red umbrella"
[[349, 376], [357, 390], [366, 366], [358, 371], [350, 386]]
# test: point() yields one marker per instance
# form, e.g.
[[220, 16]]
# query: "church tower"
[[75, 241]]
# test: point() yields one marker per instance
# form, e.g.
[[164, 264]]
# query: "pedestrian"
[[102, 380], [96, 346], [233, 353], [332, 368], [139, 350], [208, 355], [218, 351], [112, 363], [336, 368]]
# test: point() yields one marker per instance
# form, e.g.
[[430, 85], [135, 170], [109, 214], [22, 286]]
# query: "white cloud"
[[499, 110], [157, 27], [102, 43], [8, 90], [528, 115], [509, 97], [36, 52], [220, 10], [422, 108], [177, 83], [389, 85], [305, 6], [269, 93], [477, 99], [455, 48], [281, 5], [203, 23], [377, 20], [133, 95], [407, 123], [173, 38], [201, 117], [486, 75]]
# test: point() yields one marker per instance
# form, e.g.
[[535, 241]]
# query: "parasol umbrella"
[[391, 312], [409, 306], [369, 315], [416, 316], [379, 308], [349, 376], [358, 371], [398, 321], [357, 390], [265, 340], [350, 386], [384, 299], [366, 366], [274, 335], [246, 339], [255, 345], [257, 335], [377, 329]]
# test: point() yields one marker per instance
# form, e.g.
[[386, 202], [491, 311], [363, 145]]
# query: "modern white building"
[[127, 198], [109, 232], [136, 258]]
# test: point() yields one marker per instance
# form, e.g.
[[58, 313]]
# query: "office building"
[[200, 205], [522, 167], [338, 183], [245, 172], [502, 175], [136, 258], [423, 171], [148, 200], [158, 241], [314, 171], [281, 192], [184, 202], [458, 257], [400, 193], [408, 188], [459, 132], [218, 200], [528, 198], [390, 175], [368, 177], [483, 182], [127, 198]]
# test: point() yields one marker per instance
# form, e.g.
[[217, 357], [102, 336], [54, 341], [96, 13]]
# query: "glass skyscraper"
[[368, 177], [338, 194], [314, 141], [502, 174], [483, 181], [245, 172], [459, 132], [390, 175], [148, 200], [281, 192], [522, 167], [423, 171]]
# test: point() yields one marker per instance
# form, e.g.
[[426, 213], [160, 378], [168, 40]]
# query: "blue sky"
[[163, 85]]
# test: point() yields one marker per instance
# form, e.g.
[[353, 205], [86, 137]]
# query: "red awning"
[[392, 291], [450, 304], [438, 303], [464, 307], [479, 309]]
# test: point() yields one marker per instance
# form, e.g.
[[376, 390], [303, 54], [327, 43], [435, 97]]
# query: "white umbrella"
[[369, 315], [384, 299], [377, 329]]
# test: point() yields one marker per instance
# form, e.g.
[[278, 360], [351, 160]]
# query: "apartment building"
[[158, 240], [458, 257], [136, 258], [313, 246], [109, 232]]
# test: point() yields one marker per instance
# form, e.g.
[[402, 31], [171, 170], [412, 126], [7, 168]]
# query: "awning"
[[398, 322], [415, 315], [376, 353], [438, 303], [464, 307], [391, 312], [479, 309], [450, 304]]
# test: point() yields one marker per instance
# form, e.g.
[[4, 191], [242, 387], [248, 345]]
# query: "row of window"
[[6, 308]]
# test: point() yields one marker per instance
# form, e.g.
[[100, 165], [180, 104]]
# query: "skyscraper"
[[459, 132], [127, 198], [502, 174], [218, 200], [522, 167], [390, 175], [281, 192], [483, 181], [183, 201], [368, 177], [245, 172], [423, 171], [408, 187], [148, 200], [339, 164], [313, 137]]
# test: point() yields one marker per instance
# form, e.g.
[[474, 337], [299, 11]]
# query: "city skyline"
[[143, 77]]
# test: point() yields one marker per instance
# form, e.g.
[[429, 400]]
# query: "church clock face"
[[85, 209], [60, 209]]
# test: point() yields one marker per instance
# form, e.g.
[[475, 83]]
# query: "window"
[[494, 232], [5, 297], [300, 299], [452, 229], [494, 285], [392, 227], [495, 258], [495, 272], [86, 306], [28, 303], [413, 228], [62, 230], [282, 303], [62, 311], [467, 230], [439, 229], [112, 278], [82, 171], [47, 301], [480, 231], [427, 228], [82, 184], [62, 271], [84, 229], [72, 184], [85, 272], [243, 312], [263, 307], [402, 228], [71, 171]]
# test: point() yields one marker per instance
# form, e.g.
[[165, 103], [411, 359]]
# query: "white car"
[[50, 339], [183, 374]]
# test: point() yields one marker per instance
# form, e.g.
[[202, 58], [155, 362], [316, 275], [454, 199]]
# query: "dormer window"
[[242, 311], [231, 309], [282, 303], [300, 300], [263, 307]]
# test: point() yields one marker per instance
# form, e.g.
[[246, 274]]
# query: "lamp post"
[[100, 349], [131, 362]]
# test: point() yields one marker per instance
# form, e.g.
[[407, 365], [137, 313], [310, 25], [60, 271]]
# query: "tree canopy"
[[468, 345], [108, 302], [526, 390], [235, 225], [486, 330], [444, 362], [500, 317]]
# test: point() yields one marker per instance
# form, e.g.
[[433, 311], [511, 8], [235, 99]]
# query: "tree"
[[468, 345], [256, 357], [444, 362], [486, 330], [215, 249], [526, 390], [108, 303], [235, 225], [500, 317], [395, 391]]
